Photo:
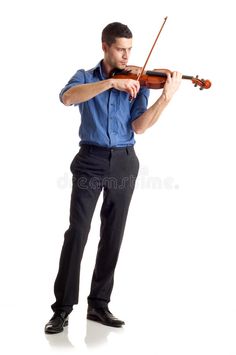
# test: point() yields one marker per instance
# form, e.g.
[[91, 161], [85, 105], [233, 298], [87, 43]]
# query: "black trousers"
[[95, 169]]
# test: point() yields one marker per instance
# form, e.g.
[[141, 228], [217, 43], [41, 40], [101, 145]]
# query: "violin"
[[156, 79]]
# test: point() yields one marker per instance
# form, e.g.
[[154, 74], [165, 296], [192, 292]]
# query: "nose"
[[125, 54]]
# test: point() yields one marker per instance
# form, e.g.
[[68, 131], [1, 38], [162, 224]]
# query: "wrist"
[[111, 83], [165, 97]]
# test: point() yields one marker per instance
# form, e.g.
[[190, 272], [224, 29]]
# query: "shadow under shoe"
[[104, 316], [57, 323]]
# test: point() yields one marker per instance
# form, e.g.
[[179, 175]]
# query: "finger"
[[177, 75], [134, 89], [174, 74], [131, 92], [180, 75], [169, 77], [137, 86], [128, 88]]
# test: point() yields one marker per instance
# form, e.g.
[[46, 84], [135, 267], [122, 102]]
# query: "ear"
[[104, 46]]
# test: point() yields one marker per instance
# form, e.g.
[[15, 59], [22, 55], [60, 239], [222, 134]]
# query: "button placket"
[[111, 116]]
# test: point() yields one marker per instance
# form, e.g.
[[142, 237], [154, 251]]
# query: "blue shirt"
[[106, 118]]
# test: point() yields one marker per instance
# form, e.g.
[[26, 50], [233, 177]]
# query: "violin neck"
[[164, 75]]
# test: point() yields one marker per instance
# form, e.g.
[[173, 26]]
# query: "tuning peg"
[[196, 77]]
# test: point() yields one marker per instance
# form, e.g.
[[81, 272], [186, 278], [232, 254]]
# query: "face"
[[117, 55]]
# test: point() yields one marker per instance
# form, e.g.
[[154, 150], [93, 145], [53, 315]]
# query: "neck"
[[107, 69]]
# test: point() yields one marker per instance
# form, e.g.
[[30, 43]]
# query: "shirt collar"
[[98, 70]]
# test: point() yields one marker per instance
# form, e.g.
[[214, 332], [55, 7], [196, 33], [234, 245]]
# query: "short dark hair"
[[115, 30]]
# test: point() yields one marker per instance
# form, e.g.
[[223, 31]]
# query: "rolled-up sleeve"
[[77, 78], [140, 104]]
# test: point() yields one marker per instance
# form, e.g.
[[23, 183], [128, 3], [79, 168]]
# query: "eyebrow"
[[118, 47]]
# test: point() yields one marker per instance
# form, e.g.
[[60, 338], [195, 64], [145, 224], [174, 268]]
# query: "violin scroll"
[[204, 84]]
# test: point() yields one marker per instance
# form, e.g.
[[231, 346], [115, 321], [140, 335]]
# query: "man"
[[112, 110]]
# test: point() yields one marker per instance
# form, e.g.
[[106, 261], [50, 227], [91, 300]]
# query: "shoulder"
[[86, 75]]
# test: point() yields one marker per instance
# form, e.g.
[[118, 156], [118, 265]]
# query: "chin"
[[121, 67]]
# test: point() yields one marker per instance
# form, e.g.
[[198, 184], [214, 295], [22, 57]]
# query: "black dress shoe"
[[104, 316], [57, 323]]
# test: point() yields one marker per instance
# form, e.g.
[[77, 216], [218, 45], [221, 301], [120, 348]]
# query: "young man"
[[106, 162]]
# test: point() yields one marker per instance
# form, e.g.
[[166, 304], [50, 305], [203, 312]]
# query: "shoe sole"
[[98, 320], [57, 331]]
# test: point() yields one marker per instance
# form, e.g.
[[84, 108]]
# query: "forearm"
[[85, 92], [149, 117]]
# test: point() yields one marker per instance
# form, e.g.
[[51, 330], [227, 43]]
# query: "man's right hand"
[[128, 85]]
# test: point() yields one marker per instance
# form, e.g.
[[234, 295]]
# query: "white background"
[[175, 283]]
